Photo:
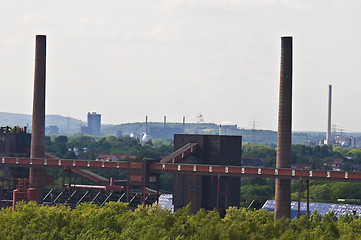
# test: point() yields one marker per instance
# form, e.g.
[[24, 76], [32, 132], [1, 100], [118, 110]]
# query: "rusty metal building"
[[208, 192]]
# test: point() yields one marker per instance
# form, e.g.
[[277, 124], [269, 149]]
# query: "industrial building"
[[94, 125], [208, 192], [14, 142]]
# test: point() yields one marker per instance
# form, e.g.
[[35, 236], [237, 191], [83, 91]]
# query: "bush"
[[116, 221]]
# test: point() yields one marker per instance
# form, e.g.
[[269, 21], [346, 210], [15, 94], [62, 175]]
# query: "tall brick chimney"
[[283, 186], [37, 174]]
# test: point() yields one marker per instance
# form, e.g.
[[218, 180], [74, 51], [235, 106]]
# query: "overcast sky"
[[221, 58]]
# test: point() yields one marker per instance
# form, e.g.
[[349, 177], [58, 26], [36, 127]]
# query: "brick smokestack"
[[37, 174], [283, 186]]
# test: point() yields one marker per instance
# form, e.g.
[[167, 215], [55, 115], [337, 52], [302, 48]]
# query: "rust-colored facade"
[[208, 192], [283, 186]]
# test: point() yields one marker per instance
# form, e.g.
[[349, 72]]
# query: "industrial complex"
[[206, 169]]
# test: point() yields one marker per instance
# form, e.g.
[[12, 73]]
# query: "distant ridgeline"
[[65, 125], [69, 126], [157, 130]]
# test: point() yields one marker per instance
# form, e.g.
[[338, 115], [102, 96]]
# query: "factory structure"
[[207, 192], [154, 131]]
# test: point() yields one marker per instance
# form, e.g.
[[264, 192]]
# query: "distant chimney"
[[165, 121], [184, 124], [328, 134], [146, 124], [37, 175]]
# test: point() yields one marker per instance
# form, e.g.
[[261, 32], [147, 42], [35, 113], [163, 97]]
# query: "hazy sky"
[[221, 58]]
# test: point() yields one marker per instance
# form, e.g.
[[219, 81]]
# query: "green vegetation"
[[260, 190], [317, 156], [90, 147], [268, 153], [116, 221]]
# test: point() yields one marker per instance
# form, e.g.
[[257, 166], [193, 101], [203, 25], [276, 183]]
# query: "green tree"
[[355, 154], [148, 153], [258, 151], [81, 142], [70, 155], [116, 221], [61, 140]]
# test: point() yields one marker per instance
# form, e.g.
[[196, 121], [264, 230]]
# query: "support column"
[[69, 184], [299, 198], [37, 174], [218, 190], [63, 186], [283, 186], [308, 196]]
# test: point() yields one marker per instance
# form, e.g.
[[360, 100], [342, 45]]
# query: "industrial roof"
[[321, 208], [165, 200]]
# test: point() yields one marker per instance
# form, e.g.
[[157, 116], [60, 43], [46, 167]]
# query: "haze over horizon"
[[179, 58]]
